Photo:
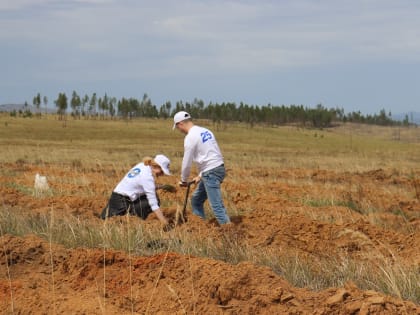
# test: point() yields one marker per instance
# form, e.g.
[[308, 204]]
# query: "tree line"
[[106, 107]]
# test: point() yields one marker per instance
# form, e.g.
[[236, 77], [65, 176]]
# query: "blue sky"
[[353, 54]]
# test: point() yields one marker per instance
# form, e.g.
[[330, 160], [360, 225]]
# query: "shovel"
[[184, 209]]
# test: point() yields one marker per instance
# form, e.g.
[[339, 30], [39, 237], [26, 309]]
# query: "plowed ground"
[[316, 217]]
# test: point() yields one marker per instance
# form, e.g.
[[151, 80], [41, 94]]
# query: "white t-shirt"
[[139, 180], [200, 146]]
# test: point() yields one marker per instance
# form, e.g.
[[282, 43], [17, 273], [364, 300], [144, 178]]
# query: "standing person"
[[200, 146], [136, 192]]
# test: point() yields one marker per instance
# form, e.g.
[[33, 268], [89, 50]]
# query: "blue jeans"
[[209, 187]]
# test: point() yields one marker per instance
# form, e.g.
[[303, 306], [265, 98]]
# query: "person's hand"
[[183, 184], [195, 180]]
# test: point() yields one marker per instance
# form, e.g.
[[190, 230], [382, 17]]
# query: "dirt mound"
[[316, 239], [46, 278]]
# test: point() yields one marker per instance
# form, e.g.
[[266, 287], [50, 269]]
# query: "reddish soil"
[[282, 212]]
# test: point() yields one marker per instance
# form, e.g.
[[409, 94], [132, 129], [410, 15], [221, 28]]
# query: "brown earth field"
[[304, 241]]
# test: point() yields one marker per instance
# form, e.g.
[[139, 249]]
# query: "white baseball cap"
[[163, 162], [180, 116]]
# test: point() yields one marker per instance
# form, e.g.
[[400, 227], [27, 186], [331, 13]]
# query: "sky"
[[359, 55]]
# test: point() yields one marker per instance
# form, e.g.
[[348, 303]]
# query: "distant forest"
[[105, 107]]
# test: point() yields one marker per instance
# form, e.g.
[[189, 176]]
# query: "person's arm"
[[149, 187], [161, 216], [187, 159]]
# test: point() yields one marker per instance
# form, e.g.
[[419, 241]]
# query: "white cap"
[[180, 116], [163, 162]]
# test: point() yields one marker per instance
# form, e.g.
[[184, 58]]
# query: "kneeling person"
[[136, 192]]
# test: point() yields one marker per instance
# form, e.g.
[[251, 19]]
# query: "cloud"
[[94, 40], [264, 33]]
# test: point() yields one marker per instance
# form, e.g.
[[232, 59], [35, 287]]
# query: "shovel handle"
[[188, 191], [186, 198]]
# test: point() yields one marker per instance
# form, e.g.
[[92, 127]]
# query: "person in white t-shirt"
[[200, 147], [136, 192]]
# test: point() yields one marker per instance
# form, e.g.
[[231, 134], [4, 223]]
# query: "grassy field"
[[256, 158], [111, 142]]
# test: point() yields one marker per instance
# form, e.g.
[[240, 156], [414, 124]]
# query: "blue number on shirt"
[[133, 173], [206, 135]]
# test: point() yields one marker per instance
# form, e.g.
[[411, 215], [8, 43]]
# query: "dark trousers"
[[121, 205]]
